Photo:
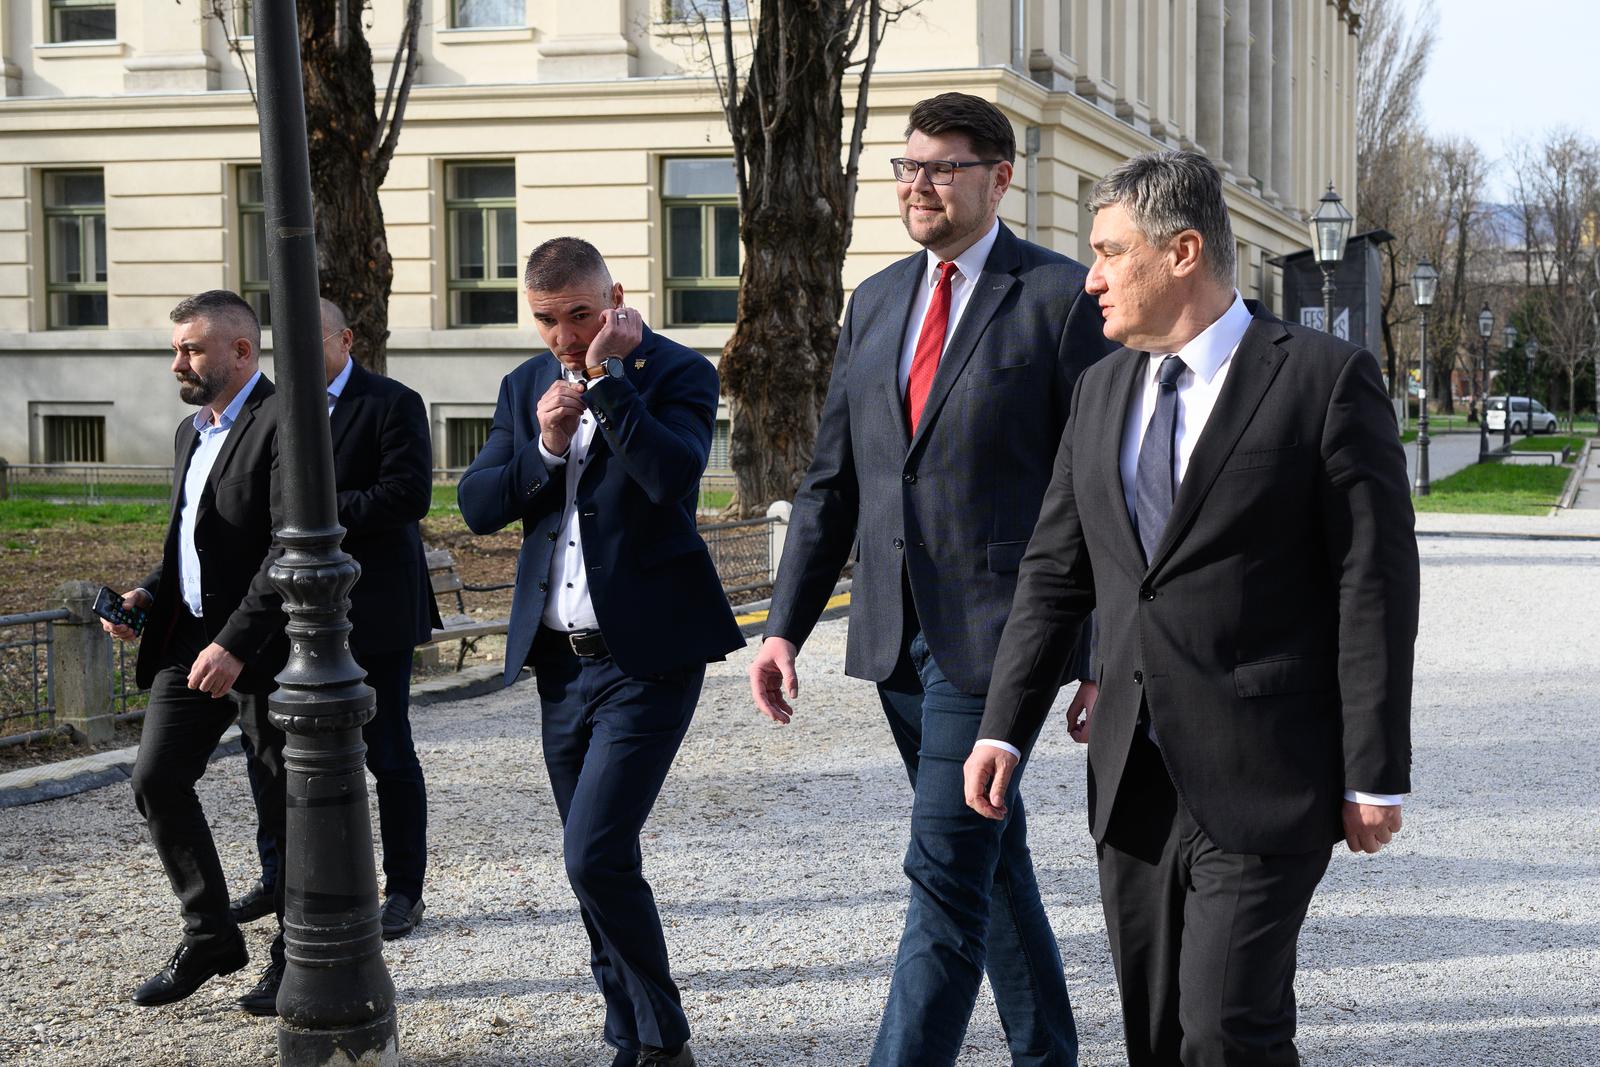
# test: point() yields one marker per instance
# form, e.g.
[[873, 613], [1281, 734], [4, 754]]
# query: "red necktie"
[[930, 342]]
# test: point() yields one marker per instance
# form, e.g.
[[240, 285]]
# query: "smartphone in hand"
[[108, 605]]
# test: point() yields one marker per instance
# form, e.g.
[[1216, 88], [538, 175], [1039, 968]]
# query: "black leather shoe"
[[400, 915], [189, 968], [624, 1058], [263, 999], [650, 1056], [255, 904]]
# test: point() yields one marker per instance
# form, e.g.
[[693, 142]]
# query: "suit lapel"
[[988, 291], [349, 402], [236, 432], [1254, 366], [913, 273], [1125, 384]]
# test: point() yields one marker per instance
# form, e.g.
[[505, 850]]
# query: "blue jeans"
[[974, 901], [609, 739]]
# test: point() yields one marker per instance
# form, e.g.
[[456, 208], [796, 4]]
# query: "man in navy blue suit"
[[597, 448]]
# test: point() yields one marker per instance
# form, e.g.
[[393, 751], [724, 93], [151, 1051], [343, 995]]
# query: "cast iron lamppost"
[[1532, 350], [1509, 333], [1424, 283], [1330, 230], [336, 1004], [1485, 328]]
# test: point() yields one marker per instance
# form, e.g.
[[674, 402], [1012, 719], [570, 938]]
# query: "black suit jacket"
[[383, 473], [1271, 636], [655, 591], [952, 508], [233, 538]]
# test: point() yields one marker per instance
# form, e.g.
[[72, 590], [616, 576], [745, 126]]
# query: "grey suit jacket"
[[1270, 638], [947, 513]]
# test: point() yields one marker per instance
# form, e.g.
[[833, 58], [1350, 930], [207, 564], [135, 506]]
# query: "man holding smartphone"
[[213, 638]]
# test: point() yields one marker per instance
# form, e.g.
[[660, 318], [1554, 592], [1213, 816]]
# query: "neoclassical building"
[[129, 171]]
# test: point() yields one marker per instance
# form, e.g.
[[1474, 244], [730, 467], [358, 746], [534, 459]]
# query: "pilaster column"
[[1208, 55], [10, 74], [166, 48], [1261, 88], [1283, 177], [591, 43], [1236, 89]]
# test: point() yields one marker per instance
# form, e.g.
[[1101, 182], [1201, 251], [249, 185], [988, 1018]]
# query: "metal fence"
[[742, 553], [85, 483], [27, 681]]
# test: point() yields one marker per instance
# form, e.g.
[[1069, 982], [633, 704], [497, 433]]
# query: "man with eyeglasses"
[[950, 391]]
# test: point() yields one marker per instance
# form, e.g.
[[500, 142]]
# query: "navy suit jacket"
[[946, 513], [383, 473], [655, 591]]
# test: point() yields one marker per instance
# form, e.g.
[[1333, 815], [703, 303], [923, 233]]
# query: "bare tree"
[[784, 105], [1455, 176], [352, 140]]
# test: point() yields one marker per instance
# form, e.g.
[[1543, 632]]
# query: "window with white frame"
[[711, 10], [699, 199], [82, 20], [482, 14], [481, 217], [254, 284]]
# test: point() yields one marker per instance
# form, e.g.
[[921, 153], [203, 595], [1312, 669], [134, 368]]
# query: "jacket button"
[[552, 535], [1138, 677], [1147, 594], [898, 543], [909, 479], [544, 586]]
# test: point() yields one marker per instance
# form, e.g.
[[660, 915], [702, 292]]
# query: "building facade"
[[129, 173]]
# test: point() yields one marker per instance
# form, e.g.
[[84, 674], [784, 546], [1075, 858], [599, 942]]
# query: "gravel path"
[[775, 857]]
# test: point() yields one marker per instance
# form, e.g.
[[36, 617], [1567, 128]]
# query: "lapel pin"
[[638, 364]]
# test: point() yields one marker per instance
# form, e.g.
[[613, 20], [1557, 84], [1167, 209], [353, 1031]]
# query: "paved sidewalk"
[[775, 858], [1447, 453]]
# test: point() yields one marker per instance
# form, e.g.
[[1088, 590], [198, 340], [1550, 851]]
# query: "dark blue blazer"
[[946, 513], [656, 594]]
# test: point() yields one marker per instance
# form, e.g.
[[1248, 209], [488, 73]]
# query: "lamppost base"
[[373, 1044]]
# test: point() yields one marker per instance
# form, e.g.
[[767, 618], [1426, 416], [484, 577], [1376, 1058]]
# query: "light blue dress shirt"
[[204, 458]]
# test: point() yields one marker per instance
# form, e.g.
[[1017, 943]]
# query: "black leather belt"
[[585, 643]]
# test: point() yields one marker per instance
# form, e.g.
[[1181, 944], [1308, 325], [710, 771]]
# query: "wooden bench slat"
[[447, 582]]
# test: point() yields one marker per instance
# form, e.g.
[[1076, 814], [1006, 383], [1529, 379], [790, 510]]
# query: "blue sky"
[[1506, 71]]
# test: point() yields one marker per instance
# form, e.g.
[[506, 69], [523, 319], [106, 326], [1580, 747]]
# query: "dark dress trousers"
[[942, 519], [242, 613], [1269, 643], [383, 476], [611, 722]]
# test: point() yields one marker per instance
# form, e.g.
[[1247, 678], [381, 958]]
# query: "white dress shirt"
[[204, 457], [567, 605], [1206, 360], [969, 265]]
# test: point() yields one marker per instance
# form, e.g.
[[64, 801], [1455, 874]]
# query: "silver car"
[[1541, 420]]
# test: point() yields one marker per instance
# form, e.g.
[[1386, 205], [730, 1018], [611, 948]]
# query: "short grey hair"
[[221, 307], [1166, 193]]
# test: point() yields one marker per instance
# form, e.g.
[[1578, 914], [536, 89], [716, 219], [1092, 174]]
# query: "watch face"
[[613, 367]]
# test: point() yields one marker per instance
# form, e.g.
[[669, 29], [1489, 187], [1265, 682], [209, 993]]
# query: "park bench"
[[1552, 458], [459, 625]]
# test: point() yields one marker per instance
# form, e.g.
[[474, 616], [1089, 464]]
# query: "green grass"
[[1548, 443], [37, 515], [1496, 489], [78, 490], [1408, 437], [715, 499]]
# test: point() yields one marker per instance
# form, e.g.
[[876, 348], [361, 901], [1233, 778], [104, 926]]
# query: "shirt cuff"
[[1000, 745], [549, 459], [1387, 800]]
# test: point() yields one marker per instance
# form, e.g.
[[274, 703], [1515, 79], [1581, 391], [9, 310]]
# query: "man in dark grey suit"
[[950, 389], [1230, 498]]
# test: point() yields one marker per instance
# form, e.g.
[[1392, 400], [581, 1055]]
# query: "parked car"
[[1541, 420]]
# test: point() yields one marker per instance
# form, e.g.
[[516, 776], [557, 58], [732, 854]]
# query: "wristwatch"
[[610, 367]]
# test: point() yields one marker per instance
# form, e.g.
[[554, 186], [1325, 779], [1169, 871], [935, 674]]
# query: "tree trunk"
[[795, 225], [353, 263]]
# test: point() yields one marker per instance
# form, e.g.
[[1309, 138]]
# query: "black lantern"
[[1330, 230], [1424, 284]]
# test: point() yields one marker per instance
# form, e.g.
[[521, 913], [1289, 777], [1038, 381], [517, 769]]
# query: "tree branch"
[[387, 135]]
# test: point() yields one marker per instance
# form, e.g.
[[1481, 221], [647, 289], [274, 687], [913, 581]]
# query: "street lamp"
[[336, 1004], [1330, 229], [1509, 333], [1532, 350], [1424, 283], [1485, 328]]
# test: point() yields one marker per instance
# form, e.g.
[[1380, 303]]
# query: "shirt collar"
[[969, 264], [202, 418], [1207, 352], [336, 387]]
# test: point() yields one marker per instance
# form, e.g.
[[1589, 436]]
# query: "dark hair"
[[1166, 193], [985, 126], [221, 305], [560, 262]]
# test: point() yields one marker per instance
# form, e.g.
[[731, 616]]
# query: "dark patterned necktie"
[[1152, 484]]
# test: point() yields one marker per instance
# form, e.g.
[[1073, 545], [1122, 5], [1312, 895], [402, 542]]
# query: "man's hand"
[[215, 670], [1082, 708], [621, 334], [133, 598], [772, 675], [988, 774], [1368, 827], [559, 410]]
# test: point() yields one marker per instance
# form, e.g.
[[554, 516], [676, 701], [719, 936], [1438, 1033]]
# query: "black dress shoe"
[[189, 968], [256, 904], [625, 1058], [400, 915], [650, 1056], [263, 999]]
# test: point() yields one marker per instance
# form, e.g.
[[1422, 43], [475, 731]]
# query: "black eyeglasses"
[[940, 171]]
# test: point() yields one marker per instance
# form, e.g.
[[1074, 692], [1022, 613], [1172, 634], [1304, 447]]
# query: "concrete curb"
[[1569, 492], [48, 781]]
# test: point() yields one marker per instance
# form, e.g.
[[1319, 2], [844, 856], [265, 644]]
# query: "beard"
[[198, 389]]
